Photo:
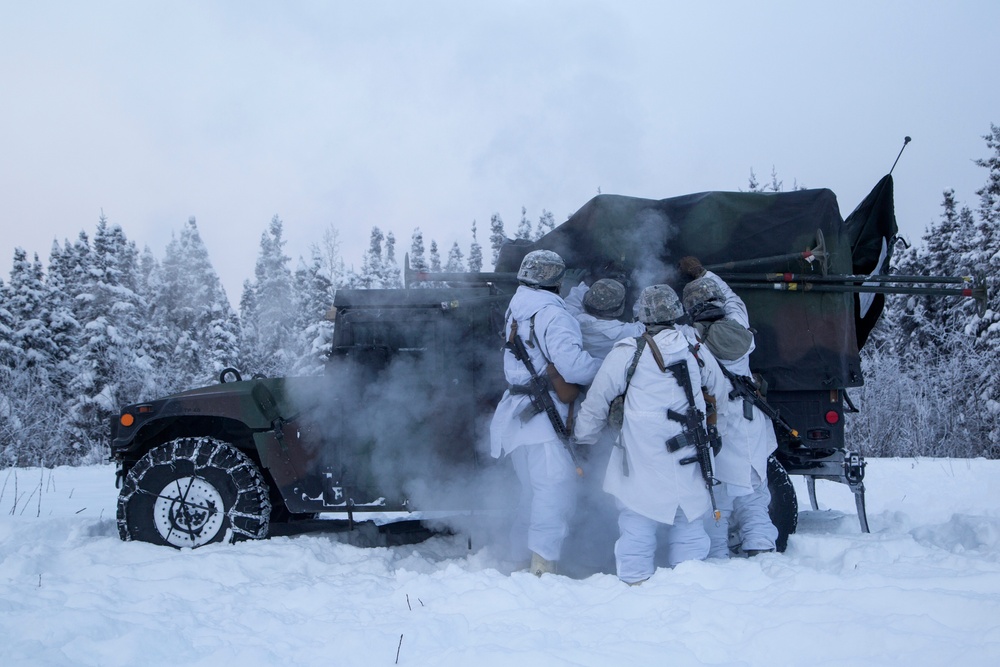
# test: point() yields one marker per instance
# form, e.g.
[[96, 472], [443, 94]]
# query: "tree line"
[[105, 324], [932, 365]]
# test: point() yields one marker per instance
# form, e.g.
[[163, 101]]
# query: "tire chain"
[[203, 452]]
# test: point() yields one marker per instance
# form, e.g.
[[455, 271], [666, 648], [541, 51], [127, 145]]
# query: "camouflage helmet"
[[702, 293], [658, 304], [541, 268], [605, 298]]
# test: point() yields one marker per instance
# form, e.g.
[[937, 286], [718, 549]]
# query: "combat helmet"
[[702, 296], [541, 268], [658, 304], [605, 298]]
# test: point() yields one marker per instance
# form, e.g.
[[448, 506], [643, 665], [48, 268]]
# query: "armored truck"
[[399, 421]]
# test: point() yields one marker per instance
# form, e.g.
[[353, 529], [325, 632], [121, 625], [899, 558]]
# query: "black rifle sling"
[[516, 345], [540, 397]]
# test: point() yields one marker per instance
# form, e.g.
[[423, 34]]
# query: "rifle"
[[541, 400], [744, 387], [694, 431]]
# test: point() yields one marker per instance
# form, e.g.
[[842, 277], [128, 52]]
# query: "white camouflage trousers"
[[548, 490], [635, 549], [749, 512]]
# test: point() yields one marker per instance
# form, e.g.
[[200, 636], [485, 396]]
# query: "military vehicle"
[[399, 421]]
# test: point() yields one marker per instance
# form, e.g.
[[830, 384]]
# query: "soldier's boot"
[[540, 566]]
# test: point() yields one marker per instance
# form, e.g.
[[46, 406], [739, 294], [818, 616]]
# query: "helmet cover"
[[658, 304], [605, 298], [541, 268]]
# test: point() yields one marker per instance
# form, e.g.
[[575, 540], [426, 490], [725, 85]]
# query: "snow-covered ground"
[[922, 589]]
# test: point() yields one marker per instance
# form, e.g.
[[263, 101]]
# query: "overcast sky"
[[435, 114]]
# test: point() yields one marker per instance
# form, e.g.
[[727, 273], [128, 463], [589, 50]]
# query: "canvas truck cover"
[[805, 340]]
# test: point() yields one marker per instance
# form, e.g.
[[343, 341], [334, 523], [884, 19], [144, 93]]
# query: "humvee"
[[399, 420]]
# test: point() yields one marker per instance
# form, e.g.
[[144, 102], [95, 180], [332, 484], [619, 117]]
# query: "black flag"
[[872, 230]]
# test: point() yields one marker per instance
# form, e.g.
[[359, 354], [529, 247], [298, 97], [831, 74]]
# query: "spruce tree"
[[28, 303], [984, 257], [193, 321], [9, 352], [372, 274], [524, 227], [391, 277], [989, 194], [113, 365], [313, 296], [455, 263], [475, 252], [418, 259], [497, 236], [64, 328], [435, 257], [546, 223], [266, 308]]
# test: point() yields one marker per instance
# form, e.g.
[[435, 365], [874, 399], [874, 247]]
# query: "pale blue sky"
[[432, 114]]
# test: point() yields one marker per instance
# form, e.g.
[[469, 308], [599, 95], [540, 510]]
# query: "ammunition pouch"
[[761, 384], [616, 412], [711, 410]]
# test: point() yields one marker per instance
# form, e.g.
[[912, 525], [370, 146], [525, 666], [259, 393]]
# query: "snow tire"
[[193, 491]]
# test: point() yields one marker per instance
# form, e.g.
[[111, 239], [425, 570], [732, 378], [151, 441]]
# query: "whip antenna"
[[906, 140]]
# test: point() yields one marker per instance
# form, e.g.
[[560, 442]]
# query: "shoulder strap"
[[640, 344], [532, 338], [657, 355], [693, 349]]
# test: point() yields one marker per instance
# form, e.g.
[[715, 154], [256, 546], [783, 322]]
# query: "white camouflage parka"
[[556, 339], [651, 481], [746, 443]]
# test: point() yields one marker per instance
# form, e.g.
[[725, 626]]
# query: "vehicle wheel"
[[784, 507], [193, 491]]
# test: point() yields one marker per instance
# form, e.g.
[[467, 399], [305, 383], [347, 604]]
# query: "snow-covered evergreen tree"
[[391, 276], [455, 263], [418, 257], [266, 309], [524, 227], [989, 194], [9, 353], [435, 257], [546, 223], [475, 252], [64, 328], [372, 274], [112, 365], [196, 331], [313, 296], [28, 303], [497, 236]]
